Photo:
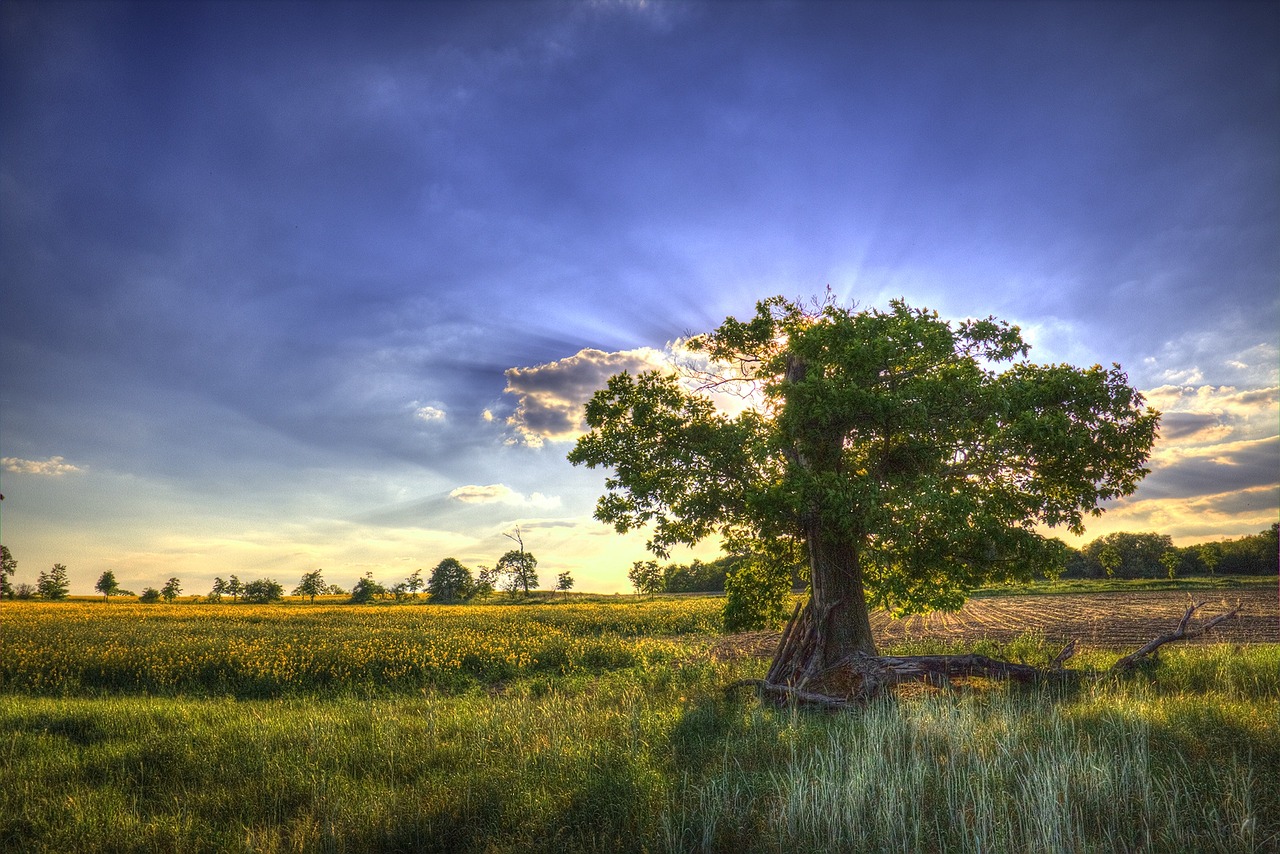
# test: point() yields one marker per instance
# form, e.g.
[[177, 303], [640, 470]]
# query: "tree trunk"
[[838, 600], [832, 628], [835, 624]]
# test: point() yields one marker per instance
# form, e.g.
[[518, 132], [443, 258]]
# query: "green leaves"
[[677, 462], [892, 431]]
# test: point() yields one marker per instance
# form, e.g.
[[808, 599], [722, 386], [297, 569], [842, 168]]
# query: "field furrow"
[[1106, 620]]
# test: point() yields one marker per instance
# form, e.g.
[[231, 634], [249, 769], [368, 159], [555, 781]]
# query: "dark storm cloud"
[[1188, 425], [1234, 467], [1243, 503]]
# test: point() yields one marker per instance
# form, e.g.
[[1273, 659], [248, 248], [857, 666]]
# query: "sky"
[[291, 285]]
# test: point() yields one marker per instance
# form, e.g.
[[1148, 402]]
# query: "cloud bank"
[[500, 493], [52, 467], [550, 397]]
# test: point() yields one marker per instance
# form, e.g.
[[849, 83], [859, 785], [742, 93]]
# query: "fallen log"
[[858, 678]]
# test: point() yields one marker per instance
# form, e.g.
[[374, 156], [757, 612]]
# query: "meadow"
[[593, 727]]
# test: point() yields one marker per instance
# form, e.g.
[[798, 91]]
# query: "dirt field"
[[1119, 621], [1107, 620]]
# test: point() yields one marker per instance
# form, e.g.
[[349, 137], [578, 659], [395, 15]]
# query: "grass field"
[[591, 727]]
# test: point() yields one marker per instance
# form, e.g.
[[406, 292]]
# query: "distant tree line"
[[755, 593], [649, 577], [452, 583], [1118, 555], [1126, 555]]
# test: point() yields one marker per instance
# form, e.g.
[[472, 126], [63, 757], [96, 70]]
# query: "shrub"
[[263, 591]]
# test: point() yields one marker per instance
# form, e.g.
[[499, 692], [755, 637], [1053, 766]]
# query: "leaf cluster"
[[895, 431]]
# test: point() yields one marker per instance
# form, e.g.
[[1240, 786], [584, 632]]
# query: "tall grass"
[[638, 752], [996, 773]]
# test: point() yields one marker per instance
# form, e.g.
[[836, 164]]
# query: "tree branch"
[[1181, 633]]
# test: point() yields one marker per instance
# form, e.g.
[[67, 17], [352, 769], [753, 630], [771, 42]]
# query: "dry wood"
[[782, 653], [797, 677], [1181, 633]]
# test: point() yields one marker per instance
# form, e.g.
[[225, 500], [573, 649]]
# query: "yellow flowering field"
[[263, 650]]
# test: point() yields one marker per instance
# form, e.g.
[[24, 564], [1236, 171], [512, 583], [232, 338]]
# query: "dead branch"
[[795, 676], [787, 694], [1181, 633], [1061, 658]]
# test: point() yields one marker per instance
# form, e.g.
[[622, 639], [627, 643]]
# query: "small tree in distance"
[[8, 566], [518, 566], [53, 585], [486, 577], [564, 583], [149, 596], [414, 583], [107, 585], [450, 582], [311, 585], [366, 589], [263, 591], [646, 577], [171, 589]]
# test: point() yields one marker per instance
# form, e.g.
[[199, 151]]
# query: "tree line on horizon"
[[1119, 555], [515, 573]]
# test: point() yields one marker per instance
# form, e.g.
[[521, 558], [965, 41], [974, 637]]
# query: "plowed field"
[[1105, 620]]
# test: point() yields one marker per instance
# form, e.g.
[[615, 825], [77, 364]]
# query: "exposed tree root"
[[795, 677]]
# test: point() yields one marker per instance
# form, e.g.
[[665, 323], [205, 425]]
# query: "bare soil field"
[[1117, 621], [1101, 620]]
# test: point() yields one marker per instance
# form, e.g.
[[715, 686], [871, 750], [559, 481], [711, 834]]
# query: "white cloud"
[[550, 397], [1055, 339], [500, 493], [1200, 358], [52, 467], [1186, 376], [1197, 415], [429, 414]]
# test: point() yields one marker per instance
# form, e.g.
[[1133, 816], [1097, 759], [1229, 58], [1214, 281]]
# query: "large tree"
[[911, 458]]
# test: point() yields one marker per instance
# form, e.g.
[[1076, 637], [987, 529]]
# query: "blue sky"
[[300, 285]]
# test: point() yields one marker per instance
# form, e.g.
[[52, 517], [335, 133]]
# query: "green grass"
[[650, 754]]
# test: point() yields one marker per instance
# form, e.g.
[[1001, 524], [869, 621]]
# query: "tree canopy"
[[311, 585], [107, 585], [913, 458], [450, 582]]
